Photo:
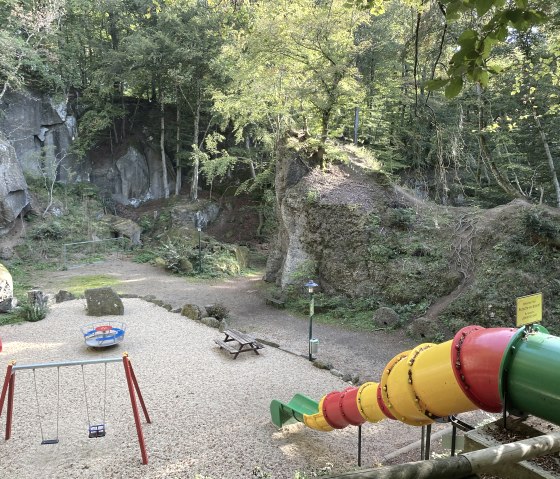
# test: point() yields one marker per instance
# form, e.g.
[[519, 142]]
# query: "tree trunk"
[[162, 147], [548, 156], [179, 178], [194, 183], [486, 156], [251, 164]]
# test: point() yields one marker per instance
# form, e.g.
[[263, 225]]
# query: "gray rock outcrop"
[[103, 302], [40, 129], [134, 175]]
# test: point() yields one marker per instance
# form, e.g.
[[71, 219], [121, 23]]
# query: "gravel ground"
[[210, 413]]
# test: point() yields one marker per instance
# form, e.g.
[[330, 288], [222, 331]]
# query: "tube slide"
[[480, 368]]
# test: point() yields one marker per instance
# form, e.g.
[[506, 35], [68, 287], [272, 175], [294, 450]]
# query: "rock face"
[[322, 219], [103, 302], [134, 174], [41, 129], [184, 215], [286, 252], [13, 188]]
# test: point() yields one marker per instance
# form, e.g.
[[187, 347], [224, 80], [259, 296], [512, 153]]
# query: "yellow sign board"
[[529, 309]]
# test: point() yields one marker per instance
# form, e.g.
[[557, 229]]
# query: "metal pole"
[[5, 386], [310, 324], [138, 393], [65, 363], [10, 407], [360, 445], [428, 441], [422, 440], [453, 438], [126, 364], [199, 253]]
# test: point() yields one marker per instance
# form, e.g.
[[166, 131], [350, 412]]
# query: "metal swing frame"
[[133, 389]]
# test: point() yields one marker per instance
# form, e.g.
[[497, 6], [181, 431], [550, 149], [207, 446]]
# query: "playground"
[[210, 414]]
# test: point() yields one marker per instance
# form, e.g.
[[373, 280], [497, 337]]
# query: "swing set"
[[94, 430]]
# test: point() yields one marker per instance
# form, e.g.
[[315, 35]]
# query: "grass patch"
[[79, 284]]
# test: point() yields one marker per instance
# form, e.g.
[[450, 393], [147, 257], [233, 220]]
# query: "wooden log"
[[464, 465]]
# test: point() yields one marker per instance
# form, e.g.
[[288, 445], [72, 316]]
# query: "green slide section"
[[293, 411]]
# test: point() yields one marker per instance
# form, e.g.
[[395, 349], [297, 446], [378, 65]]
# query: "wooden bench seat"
[[228, 346], [237, 342]]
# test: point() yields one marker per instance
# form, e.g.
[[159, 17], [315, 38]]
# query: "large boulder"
[[13, 188], [124, 227], [385, 318], [103, 302], [187, 214], [6, 290]]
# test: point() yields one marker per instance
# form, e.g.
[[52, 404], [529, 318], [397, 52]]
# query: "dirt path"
[[362, 354]]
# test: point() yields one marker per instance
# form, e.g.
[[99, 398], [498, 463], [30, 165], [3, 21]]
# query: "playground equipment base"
[[103, 334], [493, 434]]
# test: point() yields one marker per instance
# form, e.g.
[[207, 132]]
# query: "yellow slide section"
[[366, 403]]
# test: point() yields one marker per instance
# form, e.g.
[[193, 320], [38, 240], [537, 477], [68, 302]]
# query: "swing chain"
[[43, 440]]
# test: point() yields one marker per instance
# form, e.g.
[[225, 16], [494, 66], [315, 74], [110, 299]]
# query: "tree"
[[294, 67]]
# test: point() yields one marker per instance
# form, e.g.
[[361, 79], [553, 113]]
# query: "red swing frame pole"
[[8, 386], [139, 394], [132, 385]]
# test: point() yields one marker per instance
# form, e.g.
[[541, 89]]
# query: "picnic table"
[[237, 342]]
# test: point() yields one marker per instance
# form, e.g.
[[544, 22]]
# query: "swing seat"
[[97, 430], [49, 441]]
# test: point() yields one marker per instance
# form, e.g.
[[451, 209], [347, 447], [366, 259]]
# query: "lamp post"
[[311, 285], [198, 223], [199, 251]]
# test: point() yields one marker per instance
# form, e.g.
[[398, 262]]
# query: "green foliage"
[[543, 227], [78, 284], [144, 256], [48, 231], [182, 256], [219, 311], [33, 312], [402, 217], [312, 197]]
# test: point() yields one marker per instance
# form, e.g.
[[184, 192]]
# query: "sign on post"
[[529, 309]]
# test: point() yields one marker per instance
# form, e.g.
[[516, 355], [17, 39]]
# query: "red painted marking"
[[104, 328]]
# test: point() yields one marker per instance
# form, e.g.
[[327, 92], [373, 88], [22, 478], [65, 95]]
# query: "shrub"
[[218, 311], [33, 312], [44, 231]]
